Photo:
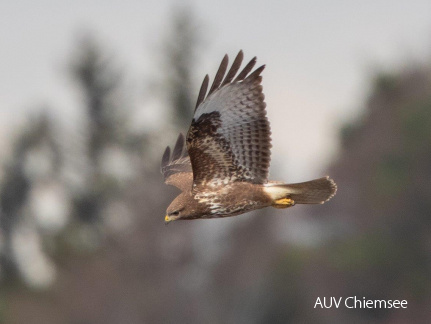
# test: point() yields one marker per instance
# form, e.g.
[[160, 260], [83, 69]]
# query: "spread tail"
[[315, 191]]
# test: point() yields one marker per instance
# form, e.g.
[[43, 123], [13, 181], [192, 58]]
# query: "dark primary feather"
[[203, 91], [220, 74], [166, 158], [179, 148], [229, 138], [256, 73], [241, 76], [178, 162], [234, 68]]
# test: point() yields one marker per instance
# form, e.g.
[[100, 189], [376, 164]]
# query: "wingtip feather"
[[220, 74], [202, 91], [166, 157], [243, 74], [234, 68], [178, 148]]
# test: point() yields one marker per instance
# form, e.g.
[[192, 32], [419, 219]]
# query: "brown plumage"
[[222, 166]]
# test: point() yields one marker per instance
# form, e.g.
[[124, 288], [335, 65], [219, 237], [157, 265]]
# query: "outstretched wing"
[[229, 138], [176, 169]]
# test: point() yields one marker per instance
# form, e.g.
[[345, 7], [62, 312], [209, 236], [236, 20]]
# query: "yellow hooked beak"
[[168, 219]]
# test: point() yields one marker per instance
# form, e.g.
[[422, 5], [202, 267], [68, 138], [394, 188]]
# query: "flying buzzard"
[[223, 169]]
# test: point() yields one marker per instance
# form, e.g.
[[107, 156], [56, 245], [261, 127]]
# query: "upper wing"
[[229, 138], [176, 169]]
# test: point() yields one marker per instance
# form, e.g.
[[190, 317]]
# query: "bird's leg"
[[283, 203]]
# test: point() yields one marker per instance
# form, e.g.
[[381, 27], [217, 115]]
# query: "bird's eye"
[[175, 213]]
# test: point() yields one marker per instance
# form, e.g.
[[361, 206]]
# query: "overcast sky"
[[319, 56]]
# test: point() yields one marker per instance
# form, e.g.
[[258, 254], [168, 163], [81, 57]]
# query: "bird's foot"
[[283, 203]]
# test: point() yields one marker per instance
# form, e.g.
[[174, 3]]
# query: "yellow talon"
[[283, 203]]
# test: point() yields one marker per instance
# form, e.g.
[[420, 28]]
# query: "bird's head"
[[182, 207]]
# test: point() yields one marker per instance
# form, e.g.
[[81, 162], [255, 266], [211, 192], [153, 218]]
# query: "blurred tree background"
[[380, 230], [82, 237]]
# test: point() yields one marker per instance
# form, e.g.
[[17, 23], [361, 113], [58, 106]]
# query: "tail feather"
[[315, 191]]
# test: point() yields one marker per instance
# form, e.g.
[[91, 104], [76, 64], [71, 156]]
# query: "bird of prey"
[[222, 170]]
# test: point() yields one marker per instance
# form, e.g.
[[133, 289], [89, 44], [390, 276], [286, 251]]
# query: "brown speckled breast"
[[232, 199]]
